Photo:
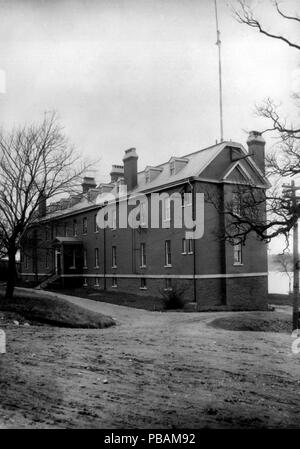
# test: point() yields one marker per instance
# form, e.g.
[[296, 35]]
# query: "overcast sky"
[[139, 73]]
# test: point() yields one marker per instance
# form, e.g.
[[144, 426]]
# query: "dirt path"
[[166, 370]]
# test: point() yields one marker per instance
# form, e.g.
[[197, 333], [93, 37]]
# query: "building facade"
[[66, 244]]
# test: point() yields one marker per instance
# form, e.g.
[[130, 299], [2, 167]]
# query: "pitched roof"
[[197, 163]]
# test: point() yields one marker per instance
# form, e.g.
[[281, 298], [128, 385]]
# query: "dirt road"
[[152, 370]]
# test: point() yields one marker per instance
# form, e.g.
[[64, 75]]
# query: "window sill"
[[184, 254], [114, 266], [143, 266], [97, 267], [238, 264], [85, 268], [72, 268], [191, 252], [168, 289], [114, 286], [143, 288], [167, 266]]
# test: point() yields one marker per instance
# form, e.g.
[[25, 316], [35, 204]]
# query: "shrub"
[[173, 298]]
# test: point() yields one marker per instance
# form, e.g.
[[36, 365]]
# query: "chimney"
[[42, 205], [256, 148], [130, 168], [117, 171], [88, 183]]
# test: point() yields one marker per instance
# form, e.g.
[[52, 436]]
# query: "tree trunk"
[[11, 279]]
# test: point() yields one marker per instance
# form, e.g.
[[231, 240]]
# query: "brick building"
[[65, 243]]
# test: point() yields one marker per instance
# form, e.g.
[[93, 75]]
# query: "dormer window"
[[151, 173], [176, 164]]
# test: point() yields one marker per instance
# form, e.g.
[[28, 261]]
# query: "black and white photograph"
[[149, 206]]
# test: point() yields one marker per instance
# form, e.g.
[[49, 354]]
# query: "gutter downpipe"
[[194, 243]]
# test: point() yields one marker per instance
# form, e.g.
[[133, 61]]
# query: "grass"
[[119, 298], [280, 300], [255, 322], [42, 309]]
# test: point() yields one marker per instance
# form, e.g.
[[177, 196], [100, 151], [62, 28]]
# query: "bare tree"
[[285, 262], [36, 163], [282, 162]]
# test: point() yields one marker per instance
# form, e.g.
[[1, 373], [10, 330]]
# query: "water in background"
[[279, 282]]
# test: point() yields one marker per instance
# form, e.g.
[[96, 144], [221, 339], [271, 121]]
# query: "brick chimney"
[[42, 208], [130, 168], [117, 171], [88, 183], [256, 147]]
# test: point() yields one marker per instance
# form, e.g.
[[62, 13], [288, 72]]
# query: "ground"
[[151, 370]]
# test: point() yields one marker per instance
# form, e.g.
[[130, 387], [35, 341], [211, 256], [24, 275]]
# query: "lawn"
[[32, 307], [119, 298]]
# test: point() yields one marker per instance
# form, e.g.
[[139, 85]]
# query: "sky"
[[140, 73]]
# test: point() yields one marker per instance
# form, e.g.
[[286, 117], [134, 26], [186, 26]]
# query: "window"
[[187, 199], [190, 246], [96, 282], [46, 234], [236, 204], [114, 219], [167, 209], [143, 284], [147, 176], [65, 230], [168, 284], [143, 254], [96, 227], [85, 283], [47, 259], [143, 214], [168, 253], [26, 261], [74, 228], [73, 258], [84, 225], [96, 257], [114, 257], [183, 250], [84, 258], [114, 282], [237, 254]]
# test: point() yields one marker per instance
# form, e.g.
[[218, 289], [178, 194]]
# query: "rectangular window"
[[143, 284], [114, 219], [237, 254], [46, 234], [143, 214], [96, 227], [190, 246], [65, 230], [26, 261], [167, 209], [73, 258], [84, 258], [236, 204], [74, 228], [187, 199], [183, 250], [84, 225], [168, 284], [96, 282], [168, 253], [85, 283], [114, 282], [114, 257], [143, 254], [47, 259], [96, 257]]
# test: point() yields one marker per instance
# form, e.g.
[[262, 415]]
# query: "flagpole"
[[218, 43]]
